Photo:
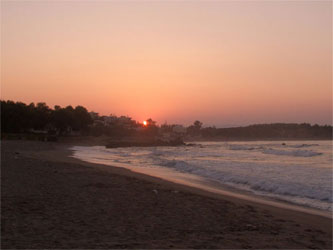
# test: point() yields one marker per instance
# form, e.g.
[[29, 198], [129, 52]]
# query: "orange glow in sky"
[[220, 62], [145, 123]]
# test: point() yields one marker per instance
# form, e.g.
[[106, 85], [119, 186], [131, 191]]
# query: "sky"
[[225, 63]]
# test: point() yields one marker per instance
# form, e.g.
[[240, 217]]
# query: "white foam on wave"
[[256, 182], [297, 153], [302, 145], [275, 149], [242, 147]]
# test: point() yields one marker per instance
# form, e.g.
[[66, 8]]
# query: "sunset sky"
[[221, 62]]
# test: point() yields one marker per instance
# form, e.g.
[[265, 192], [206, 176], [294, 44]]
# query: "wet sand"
[[50, 200]]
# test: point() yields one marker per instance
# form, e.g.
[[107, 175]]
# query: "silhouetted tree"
[[82, 118], [42, 116], [194, 129], [197, 124], [151, 128]]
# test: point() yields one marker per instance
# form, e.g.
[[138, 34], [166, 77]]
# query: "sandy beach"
[[50, 200]]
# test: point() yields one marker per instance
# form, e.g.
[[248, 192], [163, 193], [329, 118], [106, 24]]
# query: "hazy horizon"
[[223, 63]]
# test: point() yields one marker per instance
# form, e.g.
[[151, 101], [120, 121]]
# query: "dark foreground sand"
[[49, 200]]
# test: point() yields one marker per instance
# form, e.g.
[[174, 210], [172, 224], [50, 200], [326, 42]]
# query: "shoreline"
[[211, 186], [286, 220], [223, 194]]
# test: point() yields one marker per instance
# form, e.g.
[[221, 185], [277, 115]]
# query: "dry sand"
[[49, 200]]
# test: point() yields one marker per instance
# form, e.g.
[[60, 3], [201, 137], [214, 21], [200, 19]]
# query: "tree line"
[[17, 117]]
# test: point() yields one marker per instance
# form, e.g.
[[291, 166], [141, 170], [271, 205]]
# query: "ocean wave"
[[179, 165], [301, 145], [243, 147], [297, 153], [292, 189], [289, 188], [287, 151]]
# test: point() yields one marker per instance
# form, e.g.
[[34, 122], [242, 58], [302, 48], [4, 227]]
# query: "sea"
[[296, 172]]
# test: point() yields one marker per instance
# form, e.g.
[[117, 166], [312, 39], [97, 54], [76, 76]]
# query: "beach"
[[51, 200]]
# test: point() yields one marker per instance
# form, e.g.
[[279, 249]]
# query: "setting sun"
[[144, 123]]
